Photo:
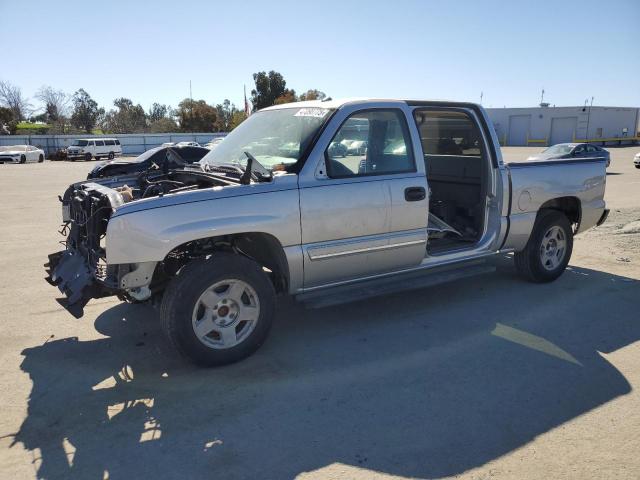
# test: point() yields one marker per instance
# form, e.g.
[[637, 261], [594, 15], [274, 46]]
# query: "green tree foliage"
[[237, 118], [160, 119], [269, 87], [196, 116], [312, 95], [85, 111], [126, 118], [158, 112], [287, 97], [226, 113], [163, 125]]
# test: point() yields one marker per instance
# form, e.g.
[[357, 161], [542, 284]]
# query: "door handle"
[[414, 194]]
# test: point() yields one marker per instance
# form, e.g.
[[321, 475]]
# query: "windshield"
[[273, 137], [79, 143], [562, 149], [14, 148]]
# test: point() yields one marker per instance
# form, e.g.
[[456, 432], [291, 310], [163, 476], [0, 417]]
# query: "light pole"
[[588, 119]]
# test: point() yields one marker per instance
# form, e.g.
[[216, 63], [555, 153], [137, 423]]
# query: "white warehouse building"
[[546, 125]]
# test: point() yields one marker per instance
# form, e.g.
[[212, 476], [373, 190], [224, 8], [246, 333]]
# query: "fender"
[[149, 235]]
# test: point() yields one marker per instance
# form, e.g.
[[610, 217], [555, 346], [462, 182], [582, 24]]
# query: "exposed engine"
[[86, 210]]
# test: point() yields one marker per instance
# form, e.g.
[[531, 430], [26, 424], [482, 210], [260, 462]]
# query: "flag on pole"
[[247, 111]]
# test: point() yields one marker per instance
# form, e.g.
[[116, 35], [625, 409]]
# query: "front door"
[[364, 207]]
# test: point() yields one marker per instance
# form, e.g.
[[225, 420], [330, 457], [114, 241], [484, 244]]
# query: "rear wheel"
[[549, 248], [87, 157], [23, 159], [41, 158], [111, 155], [219, 310]]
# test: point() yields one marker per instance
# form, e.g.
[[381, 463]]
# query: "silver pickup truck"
[[327, 201]]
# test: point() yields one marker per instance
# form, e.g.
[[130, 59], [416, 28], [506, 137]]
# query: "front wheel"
[[23, 159], [41, 159], [87, 157], [548, 250], [218, 310]]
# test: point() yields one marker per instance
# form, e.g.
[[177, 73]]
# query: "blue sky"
[[148, 51]]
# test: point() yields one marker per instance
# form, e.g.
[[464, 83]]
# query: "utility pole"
[[542, 97], [589, 118], [191, 103], [481, 95]]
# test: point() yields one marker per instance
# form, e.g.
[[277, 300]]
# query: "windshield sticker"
[[311, 112]]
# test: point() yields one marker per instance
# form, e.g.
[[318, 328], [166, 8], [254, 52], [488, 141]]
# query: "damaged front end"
[[80, 270]]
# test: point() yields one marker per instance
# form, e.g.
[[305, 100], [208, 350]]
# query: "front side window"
[[373, 142], [79, 143], [117, 142]]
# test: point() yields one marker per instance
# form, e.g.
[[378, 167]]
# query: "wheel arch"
[[264, 248], [569, 205]]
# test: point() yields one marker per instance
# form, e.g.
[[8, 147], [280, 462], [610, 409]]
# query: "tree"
[[158, 112], [8, 124], [269, 87], [313, 95], [160, 119], [287, 97], [11, 97], [127, 118], [237, 118], [196, 116], [56, 103], [163, 125], [226, 112], [85, 111]]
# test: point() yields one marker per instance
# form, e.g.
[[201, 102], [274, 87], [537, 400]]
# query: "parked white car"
[[187, 144], [88, 148], [636, 160], [21, 154]]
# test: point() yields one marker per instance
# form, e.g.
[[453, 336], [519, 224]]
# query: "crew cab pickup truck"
[[428, 199]]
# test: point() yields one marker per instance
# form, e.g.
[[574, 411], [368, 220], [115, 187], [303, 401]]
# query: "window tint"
[[92, 144], [448, 133], [578, 149], [591, 149], [117, 142], [109, 142], [370, 143], [99, 143]]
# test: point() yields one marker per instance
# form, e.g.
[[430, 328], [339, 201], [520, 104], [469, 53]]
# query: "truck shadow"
[[426, 383]]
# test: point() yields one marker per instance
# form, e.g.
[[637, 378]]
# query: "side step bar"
[[392, 284]]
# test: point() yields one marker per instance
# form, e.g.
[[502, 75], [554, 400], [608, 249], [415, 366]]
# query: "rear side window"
[[371, 142], [444, 132], [117, 142], [109, 142], [99, 143]]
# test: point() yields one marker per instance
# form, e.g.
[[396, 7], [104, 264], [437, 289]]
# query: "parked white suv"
[[87, 148]]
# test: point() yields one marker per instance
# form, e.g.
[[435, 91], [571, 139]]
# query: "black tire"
[[111, 155], [23, 159], [637, 166], [529, 262], [181, 297], [87, 157], [41, 159]]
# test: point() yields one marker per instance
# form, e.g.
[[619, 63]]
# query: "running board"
[[403, 282]]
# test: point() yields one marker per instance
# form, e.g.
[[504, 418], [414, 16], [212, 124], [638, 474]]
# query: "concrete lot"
[[489, 377]]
